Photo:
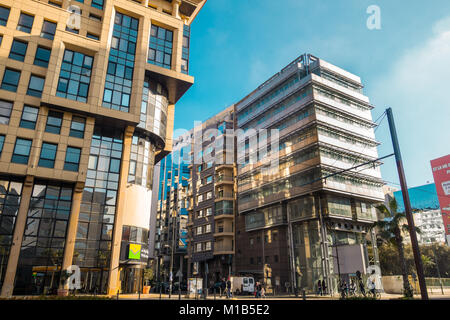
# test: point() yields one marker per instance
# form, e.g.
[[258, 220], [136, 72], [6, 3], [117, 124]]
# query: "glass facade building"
[[90, 118], [293, 221]]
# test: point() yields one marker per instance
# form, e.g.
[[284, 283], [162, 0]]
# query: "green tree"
[[390, 230]]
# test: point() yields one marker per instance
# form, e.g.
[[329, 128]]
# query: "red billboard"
[[441, 174]]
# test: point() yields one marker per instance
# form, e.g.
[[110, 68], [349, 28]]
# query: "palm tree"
[[390, 230]]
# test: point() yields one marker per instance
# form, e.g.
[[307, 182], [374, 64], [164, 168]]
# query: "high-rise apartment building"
[[306, 220], [87, 96], [170, 211], [212, 199]]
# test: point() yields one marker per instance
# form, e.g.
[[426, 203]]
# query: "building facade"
[[441, 175], [171, 215], [87, 97], [306, 220], [426, 212], [212, 199]]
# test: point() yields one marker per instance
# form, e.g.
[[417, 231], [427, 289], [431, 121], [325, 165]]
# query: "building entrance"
[[131, 279]]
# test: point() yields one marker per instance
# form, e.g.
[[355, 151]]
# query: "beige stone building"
[[87, 96]]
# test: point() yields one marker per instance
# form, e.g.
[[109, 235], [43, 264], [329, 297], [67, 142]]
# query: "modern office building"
[[426, 212], [171, 215], [306, 220], [212, 199], [87, 97]]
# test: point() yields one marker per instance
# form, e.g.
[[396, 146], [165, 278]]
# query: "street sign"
[[179, 274]]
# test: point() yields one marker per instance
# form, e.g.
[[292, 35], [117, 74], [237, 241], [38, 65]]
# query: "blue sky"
[[238, 44]]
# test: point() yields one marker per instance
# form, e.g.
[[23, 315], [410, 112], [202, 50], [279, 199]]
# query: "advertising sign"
[[441, 174], [134, 252]]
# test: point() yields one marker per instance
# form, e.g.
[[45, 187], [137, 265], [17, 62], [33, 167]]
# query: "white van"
[[242, 285]]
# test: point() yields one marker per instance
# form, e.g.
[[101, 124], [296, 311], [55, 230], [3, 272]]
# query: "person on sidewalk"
[[319, 287], [229, 293], [324, 287], [263, 292], [223, 287]]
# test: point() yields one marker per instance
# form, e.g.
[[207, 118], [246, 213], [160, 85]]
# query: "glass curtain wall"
[[98, 208], [10, 196], [42, 251]]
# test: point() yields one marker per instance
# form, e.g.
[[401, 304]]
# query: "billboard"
[[441, 174]]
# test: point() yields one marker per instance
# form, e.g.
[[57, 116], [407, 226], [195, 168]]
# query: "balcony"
[[224, 231], [224, 179], [223, 249], [224, 195]]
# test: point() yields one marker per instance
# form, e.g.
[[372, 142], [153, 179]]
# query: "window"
[[5, 111], [35, 86], [275, 258], [97, 4], [42, 56], [72, 159], [95, 17], [76, 31], [120, 70], [4, 15], [185, 53], [75, 76], [2, 141], [25, 22], [1, 39], [29, 117], [21, 151], [208, 195], [209, 179], [208, 246], [18, 50], [92, 36], [48, 155], [208, 211], [10, 80], [77, 127], [48, 30], [160, 51], [59, 5], [54, 121]]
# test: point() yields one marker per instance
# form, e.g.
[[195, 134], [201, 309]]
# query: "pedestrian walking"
[[223, 287], [263, 292], [319, 287], [324, 287], [229, 293]]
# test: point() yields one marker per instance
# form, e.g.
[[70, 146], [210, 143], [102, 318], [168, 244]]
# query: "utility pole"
[[409, 216], [171, 258]]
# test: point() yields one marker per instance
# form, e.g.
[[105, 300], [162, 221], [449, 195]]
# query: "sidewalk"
[[384, 296]]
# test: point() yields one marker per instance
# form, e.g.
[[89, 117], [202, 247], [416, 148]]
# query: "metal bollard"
[[304, 294], [214, 293]]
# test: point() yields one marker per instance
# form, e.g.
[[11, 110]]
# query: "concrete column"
[[8, 284], [176, 8], [72, 230], [113, 280]]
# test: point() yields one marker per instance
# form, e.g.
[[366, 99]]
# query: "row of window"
[[25, 23], [204, 213], [266, 259], [19, 50], [47, 158], [204, 197], [11, 79], [54, 119]]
